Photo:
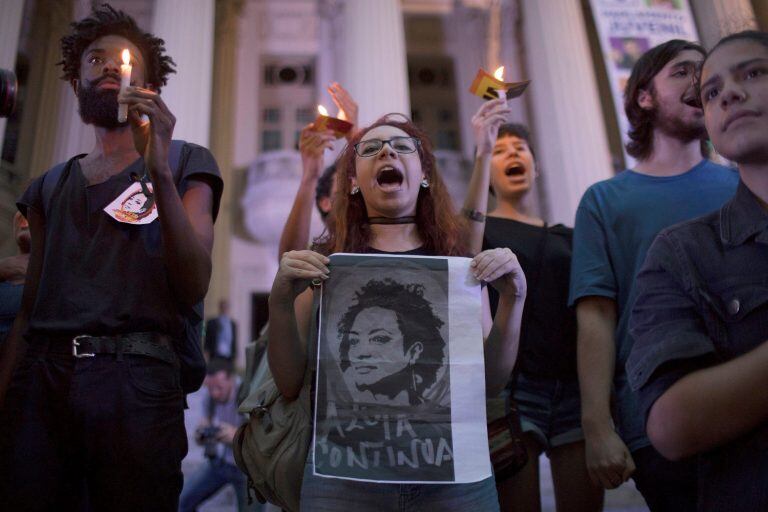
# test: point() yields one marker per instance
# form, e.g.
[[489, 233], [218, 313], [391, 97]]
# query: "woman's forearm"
[[286, 353], [502, 345]]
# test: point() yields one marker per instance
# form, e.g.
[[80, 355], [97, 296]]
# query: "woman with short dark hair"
[[545, 384]]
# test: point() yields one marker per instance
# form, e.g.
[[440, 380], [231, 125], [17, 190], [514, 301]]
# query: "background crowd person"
[[221, 335], [425, 225], [13, 272], [95, 402], [701, 317], [616, 222], [545, 386], [215, 433]]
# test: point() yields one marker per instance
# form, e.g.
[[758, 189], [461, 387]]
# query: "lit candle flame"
[[499, 73], [321, 109], [126, 57]]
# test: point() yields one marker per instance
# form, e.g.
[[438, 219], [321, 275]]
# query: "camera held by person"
[[208, 436]]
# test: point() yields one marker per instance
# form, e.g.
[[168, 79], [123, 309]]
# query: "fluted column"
[[718, 18], [74, 136], [567, 118], [222, 144], [187, 28], [373, 65], [10, 26]]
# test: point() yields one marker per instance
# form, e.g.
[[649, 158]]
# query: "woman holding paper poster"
[[391, 200]]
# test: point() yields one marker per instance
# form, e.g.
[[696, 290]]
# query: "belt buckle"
[[76, 343]]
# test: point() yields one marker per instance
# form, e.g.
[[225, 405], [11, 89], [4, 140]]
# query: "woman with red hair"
[[391, 200]]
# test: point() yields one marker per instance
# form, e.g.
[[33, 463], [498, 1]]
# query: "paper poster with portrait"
[[400, 389], [136, 205]]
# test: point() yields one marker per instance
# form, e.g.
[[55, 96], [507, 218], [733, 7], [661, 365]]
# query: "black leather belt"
[[149, 344]]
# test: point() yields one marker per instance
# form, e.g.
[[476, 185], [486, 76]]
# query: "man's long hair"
[[106, 21], [438, 225], [641, 121]]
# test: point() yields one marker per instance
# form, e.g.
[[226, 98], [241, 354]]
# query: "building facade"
[[251, 73]]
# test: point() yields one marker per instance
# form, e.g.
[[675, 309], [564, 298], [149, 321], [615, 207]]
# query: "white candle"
[[499, 75], [125, 82]]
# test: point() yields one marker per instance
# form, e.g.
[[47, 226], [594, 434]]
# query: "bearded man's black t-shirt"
[[101, 276]]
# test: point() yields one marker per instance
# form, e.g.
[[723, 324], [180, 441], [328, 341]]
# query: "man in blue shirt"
[[701, 317], [616, 221]]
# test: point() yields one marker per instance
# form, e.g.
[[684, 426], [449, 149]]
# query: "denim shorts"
[[321, 494], [549, 409]]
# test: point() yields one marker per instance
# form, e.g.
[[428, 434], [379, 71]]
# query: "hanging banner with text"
[[627, 29], [400, 390]]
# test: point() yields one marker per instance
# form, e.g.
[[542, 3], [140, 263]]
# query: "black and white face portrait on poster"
[[384, 405]]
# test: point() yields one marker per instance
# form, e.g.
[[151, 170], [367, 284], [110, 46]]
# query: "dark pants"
[[666, 486], [100, 433]]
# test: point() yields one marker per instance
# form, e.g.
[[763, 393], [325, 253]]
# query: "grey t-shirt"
[[101, 276]]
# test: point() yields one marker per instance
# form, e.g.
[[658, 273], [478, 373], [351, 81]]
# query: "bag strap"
[[312, 339], [541, 250], [510, 407], [52, 180]]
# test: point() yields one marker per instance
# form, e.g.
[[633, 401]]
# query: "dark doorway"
[[259, 313]]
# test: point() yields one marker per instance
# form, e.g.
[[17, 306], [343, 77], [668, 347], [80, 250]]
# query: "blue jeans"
[[549, 409], [208, 479], [321, 494]]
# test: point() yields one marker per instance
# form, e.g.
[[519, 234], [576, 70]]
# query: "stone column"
[[187, 28], [567, 119], [222, 145], [373, 63], [718, 18], [74, 136], [10, 26]]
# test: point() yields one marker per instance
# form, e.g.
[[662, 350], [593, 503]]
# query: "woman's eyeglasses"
[[371, 147]]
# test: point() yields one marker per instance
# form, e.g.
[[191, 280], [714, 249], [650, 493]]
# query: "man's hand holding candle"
[[151, 137]]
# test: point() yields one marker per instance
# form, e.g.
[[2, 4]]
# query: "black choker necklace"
[[389, 220]]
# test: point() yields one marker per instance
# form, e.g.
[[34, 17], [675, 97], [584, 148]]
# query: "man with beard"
[[616, 221], [93, 416]]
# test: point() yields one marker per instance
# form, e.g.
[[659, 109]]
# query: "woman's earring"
[[355, 190], [424, 183]]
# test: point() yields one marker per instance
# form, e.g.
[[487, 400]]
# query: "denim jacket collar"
[[743, 217]]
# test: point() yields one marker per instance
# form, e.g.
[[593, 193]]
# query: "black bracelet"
[[473, 215]]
